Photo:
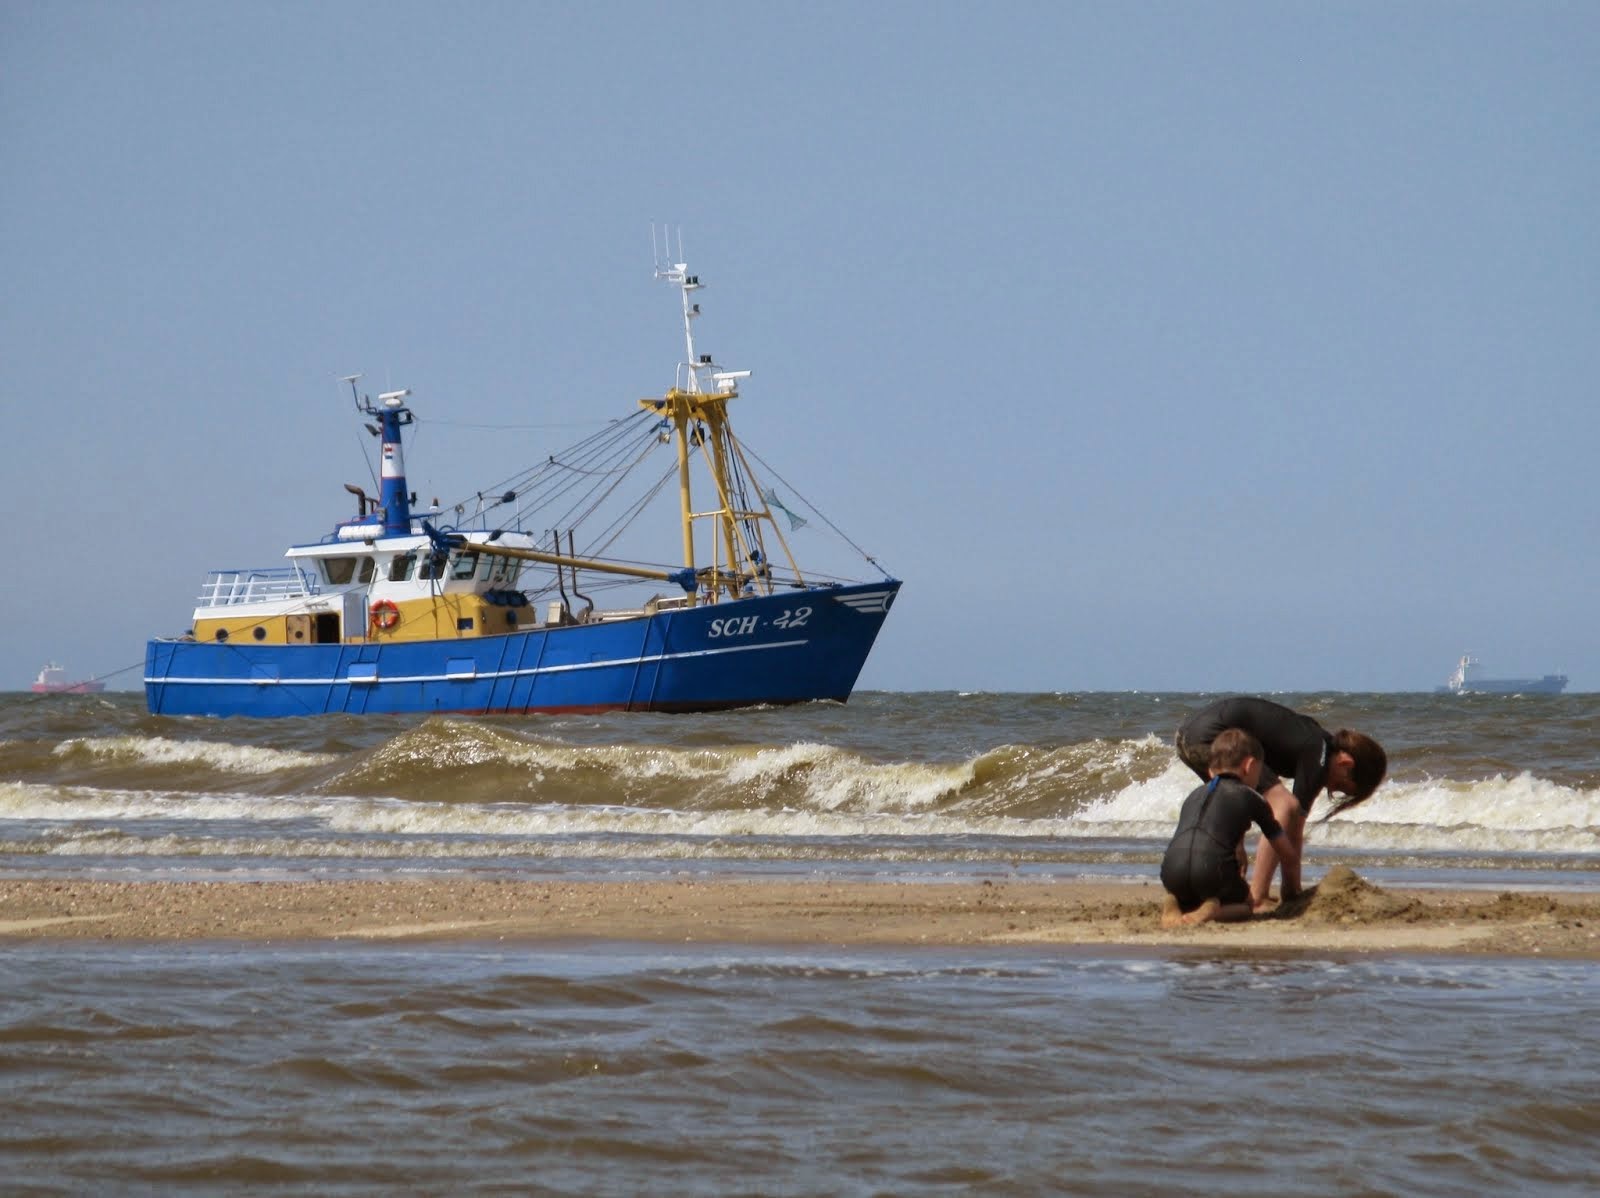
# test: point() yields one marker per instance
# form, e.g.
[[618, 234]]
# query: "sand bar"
[[1344, 913]]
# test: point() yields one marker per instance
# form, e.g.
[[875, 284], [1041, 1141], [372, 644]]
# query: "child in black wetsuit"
[[1203, 869], [1296, 751]]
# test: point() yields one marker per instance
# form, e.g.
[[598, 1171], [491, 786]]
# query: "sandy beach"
[[1344, 913]]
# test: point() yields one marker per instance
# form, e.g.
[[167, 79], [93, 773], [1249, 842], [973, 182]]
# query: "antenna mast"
[[699, 375], [678, 272], [697, 408]]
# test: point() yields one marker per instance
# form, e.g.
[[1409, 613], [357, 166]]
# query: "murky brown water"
[[610, 1069], [614, 1070]]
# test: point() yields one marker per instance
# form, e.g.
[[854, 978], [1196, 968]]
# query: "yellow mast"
[[680, 420], [698, 410], [702, 419], [697, 413], [717, 422]]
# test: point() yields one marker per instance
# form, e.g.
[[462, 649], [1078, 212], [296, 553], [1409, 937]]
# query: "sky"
[[1155, 346]]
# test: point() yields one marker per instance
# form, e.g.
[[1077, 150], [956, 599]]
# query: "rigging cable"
[[816, 510]]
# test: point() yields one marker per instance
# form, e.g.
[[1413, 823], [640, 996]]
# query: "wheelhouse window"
[[400, 569], [433, 566], [464, 567], [339, 570]]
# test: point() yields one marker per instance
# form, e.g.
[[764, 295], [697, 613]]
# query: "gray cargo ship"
[[1468, 680]]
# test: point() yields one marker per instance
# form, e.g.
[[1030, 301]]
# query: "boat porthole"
[[260, 633], [222, 634]]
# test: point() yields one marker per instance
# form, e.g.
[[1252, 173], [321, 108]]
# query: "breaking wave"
[[160, 751], [489, 788], [920, 777]]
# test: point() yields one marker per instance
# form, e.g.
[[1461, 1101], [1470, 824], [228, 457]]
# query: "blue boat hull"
[[788, 648]]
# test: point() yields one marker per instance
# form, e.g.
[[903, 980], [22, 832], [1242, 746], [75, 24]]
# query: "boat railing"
[[225, 587]]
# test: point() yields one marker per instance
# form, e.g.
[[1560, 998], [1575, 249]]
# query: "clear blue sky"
[[1237, 346]]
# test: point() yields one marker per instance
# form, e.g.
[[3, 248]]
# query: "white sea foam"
[[1151, 801], [356, 816], [835, 780], [1521, 813], [845, 799], [1106, 762], [31, 801], [463, 746], [803, 775], [1519, 803], [227, 758]]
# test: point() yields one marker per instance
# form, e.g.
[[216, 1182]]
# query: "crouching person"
[[1203, 870]]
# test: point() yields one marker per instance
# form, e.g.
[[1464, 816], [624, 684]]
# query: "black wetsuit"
[[1202, 861], [1295, 745]]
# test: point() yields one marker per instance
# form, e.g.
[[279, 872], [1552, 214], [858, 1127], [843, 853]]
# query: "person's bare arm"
[[1288, 847], [1286, 810]]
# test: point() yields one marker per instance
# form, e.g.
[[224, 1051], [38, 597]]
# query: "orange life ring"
[[385, 615]]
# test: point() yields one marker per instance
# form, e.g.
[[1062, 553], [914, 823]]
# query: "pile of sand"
[[1345, 897]]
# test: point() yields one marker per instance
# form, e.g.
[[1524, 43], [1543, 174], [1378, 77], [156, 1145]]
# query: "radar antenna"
[[698, 375]]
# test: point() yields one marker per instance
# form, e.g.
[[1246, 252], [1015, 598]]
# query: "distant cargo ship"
[[1468, 680], [52, 680]]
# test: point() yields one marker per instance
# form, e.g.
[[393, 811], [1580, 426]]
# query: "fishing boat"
[[1468, 679], [489, 605], [53, 680]]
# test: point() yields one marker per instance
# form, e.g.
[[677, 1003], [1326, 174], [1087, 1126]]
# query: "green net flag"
[[772, 500]]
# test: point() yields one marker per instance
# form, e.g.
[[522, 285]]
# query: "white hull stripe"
[[868, 602], [561, 669]]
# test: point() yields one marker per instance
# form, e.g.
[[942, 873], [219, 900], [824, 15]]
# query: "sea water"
[[606, 1068], [611, 1069]]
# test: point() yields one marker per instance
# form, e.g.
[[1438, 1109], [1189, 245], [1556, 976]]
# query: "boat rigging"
[[401, 609]]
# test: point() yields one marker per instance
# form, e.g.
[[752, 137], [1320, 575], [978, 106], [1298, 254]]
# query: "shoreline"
[[1342, 914]]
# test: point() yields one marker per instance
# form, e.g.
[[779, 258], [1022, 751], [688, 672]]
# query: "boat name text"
[[745, 625]]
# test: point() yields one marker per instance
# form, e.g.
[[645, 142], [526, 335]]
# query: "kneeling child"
[[1203, 869]]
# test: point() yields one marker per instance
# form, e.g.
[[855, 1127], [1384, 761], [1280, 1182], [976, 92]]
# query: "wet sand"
[[1344, 913]]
